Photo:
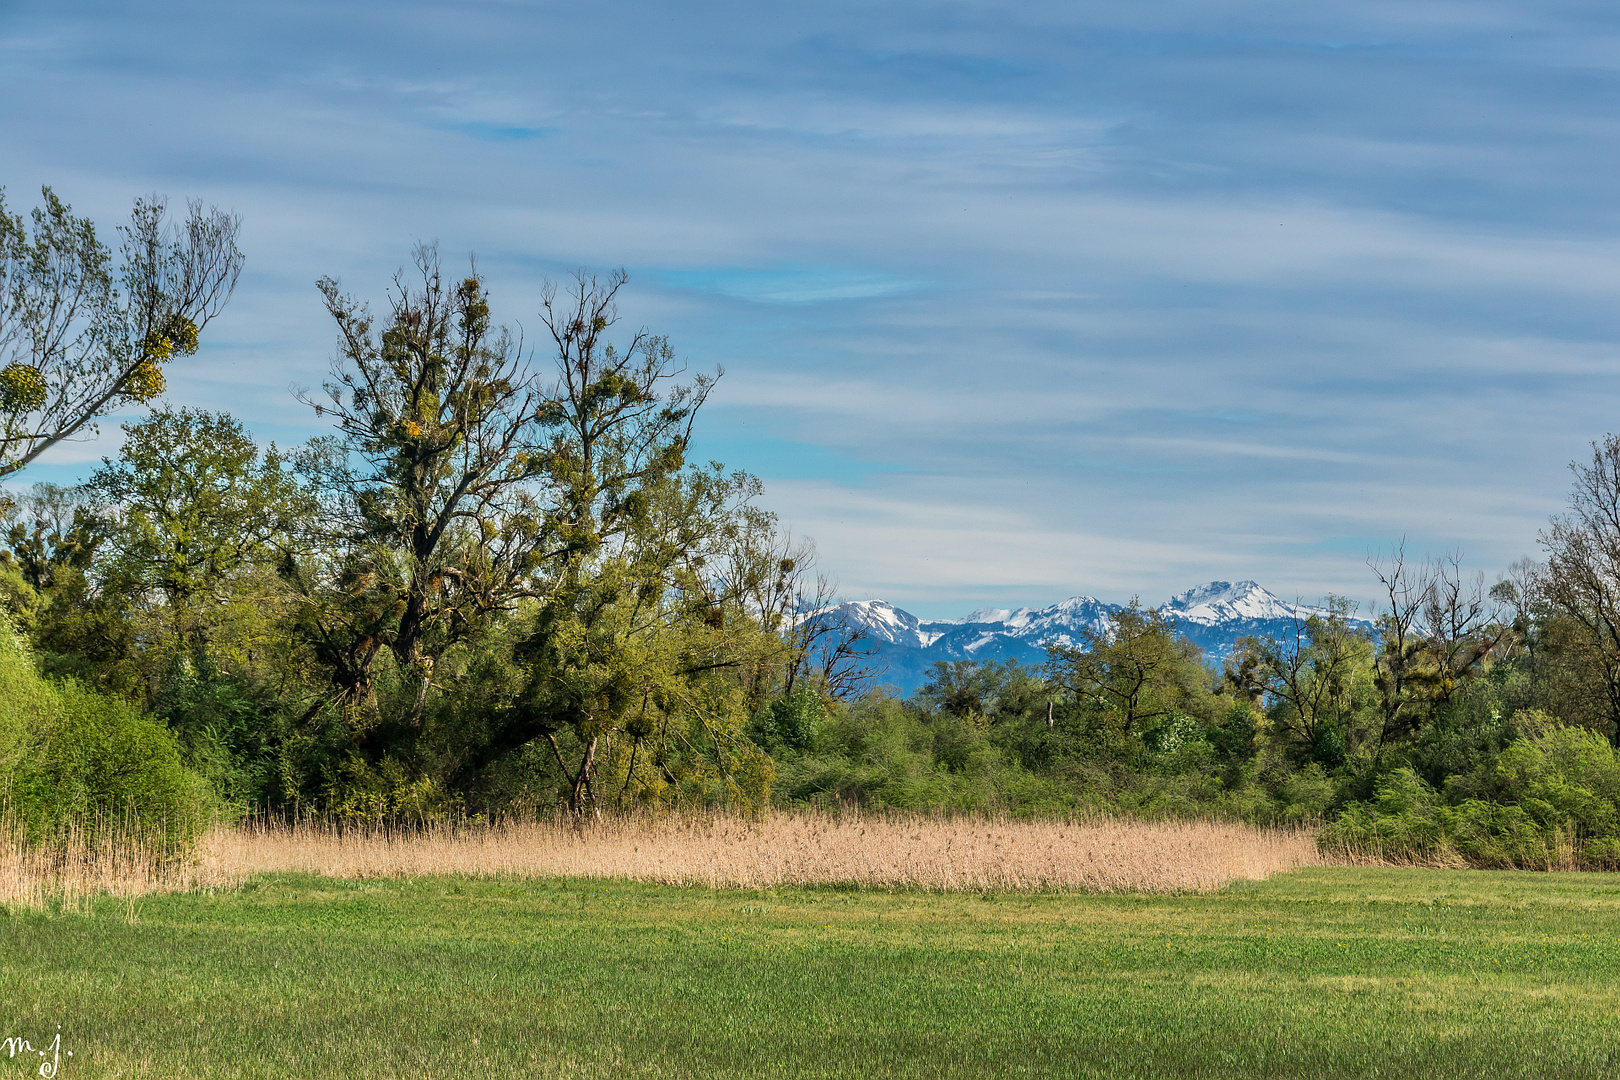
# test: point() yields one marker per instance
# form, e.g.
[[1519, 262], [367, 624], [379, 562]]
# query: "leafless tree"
[[1437, 628], [775, 577], [831, 649], [1583, 567], [1399, 664], [1522, 593], [1458, 619]]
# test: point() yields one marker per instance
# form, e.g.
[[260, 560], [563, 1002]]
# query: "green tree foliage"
[[1134, 671], [1312, 678], [194, 505], [52, 528], [641, 645], [79, 337], [68, 754], [963, 688], [53, 594]]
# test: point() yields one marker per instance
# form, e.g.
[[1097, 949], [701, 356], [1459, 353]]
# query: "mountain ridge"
[[1213, 616]]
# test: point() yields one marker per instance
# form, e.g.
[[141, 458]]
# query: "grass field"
[[1320, 972]]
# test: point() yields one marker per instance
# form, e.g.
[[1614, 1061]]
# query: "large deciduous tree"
[[469, 506], [635, 652], [194, 503], [1133, 671], [431, 521], [78, 336]]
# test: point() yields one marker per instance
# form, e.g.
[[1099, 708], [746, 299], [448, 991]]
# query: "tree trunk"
[[580, 789]]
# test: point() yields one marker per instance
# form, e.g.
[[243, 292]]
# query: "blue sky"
[[1014, 301]]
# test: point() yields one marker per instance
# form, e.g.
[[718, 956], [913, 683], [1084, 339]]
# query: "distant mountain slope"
[[1214, 616]]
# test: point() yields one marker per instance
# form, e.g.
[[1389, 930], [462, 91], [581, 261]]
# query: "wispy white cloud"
[[1110, 297], [787, 284]]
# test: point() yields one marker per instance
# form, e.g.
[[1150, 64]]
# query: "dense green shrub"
[[882, 752], [69, 755], [790, 722], [1548, 801], [227, 729], [25, 699]]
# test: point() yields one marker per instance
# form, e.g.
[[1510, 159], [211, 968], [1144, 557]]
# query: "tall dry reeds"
[[800, 849], [1105, 855], [71, 867]]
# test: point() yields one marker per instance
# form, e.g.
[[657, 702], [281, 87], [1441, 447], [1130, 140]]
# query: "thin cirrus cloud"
[[1013, 301], [786, 284]]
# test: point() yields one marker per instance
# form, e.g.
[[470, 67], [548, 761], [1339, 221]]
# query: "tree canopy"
[[502, 585], [79, 336]]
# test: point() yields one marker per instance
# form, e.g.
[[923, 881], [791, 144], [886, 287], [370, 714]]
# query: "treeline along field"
[[499, 589]]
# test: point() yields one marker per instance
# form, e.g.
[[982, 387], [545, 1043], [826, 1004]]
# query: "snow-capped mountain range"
[[903, 647]]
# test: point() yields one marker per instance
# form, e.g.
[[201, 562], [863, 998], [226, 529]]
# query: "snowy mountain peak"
[[1222, 601], [1214, 590], [1067, 614], [1075, 604], [885, 622]]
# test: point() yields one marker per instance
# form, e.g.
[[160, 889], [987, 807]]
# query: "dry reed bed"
[[719, 852], [788, 850], [81, 865]]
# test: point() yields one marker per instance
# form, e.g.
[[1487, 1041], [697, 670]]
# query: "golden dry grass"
[[783, 850], [85, 863]]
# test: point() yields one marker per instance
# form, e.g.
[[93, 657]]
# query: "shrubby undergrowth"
[[1467, 787], [70, 756], [1551, 801]]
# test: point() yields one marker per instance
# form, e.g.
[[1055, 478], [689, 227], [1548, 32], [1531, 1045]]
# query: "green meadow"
[[1323, 972]]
